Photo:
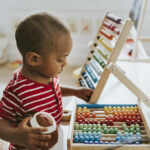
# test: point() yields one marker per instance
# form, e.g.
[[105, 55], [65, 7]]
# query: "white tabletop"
[[115, 92]]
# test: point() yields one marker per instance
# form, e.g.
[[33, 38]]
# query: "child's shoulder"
[[15, 81]]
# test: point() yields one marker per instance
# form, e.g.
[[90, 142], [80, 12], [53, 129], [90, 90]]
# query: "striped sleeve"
[[8, 107]]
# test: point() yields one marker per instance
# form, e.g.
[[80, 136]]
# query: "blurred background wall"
[[82, 17]]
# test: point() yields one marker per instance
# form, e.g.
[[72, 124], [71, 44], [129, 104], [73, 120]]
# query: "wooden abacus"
[[102, 57], [95, 131]]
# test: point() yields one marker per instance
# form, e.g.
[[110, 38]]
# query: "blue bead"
[[106, 142], [87, 138], [119, 134], [111, 142], [94, 133], [82, 139], [96, 138], [131, 134], [99, 134], [137, 142], [133, 139], [75, 134], [80, 133], [76, 139], [138, 134], [138, 139], [123, 139], [126, 134], [117, 138], [84, 134], [91, 138], [89, 133]]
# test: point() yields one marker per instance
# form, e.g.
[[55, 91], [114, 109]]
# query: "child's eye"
[[60, 60]]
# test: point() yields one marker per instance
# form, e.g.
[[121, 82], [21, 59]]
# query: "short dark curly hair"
[[37, 31]]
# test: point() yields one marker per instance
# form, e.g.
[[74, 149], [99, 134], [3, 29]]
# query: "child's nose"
[[64, 64]]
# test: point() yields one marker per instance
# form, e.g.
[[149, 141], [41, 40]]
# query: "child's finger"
[[43, 137], [38, 130], [25, 121]]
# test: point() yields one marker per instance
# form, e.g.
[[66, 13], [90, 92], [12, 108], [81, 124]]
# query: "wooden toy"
[[96, 130], [102, 57]]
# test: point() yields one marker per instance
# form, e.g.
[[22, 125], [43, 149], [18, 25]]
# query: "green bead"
[[84, 130], [138, 130], [131, 130], [89, 129], [137, 126], [115, 130], [85, 125], [111, 131], [98, 129], [126, 130], [132, 126], [94, 125], [89, 125], [76, 127], [104, 126], [94, 129], [81, 126], [98, 126], [124, 126], [106, 131]]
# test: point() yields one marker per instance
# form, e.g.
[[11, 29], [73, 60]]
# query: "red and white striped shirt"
[[23, 97]]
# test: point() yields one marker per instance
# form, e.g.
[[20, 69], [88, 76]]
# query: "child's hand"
[[31, 138], [84, 93]]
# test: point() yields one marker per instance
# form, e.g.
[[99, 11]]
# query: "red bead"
[[133, 118], [132, 121], [83, 118], [94, 115], [111, 123], [102, 122], [96, 121], [127, 122], [121, 119], [139, 118], [106, 122], [88, 115], [125, 118], [86, 121], [129, 118], [77, 118], [91, 121], [80, 121], [116, 119], [139, 122]]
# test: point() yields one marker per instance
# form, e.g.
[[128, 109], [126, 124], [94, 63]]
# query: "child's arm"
[[82, 93], [23, 135]]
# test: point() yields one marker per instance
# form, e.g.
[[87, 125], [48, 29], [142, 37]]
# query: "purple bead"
[[96, 142], [86, 142], [90, 142], [101, 142]]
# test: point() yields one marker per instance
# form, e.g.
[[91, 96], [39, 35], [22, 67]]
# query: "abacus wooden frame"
[[80, 146]]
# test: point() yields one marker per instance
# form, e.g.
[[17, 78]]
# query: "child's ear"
[[33, 58]]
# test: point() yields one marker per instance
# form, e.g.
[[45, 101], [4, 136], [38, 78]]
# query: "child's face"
[[53, 62]]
